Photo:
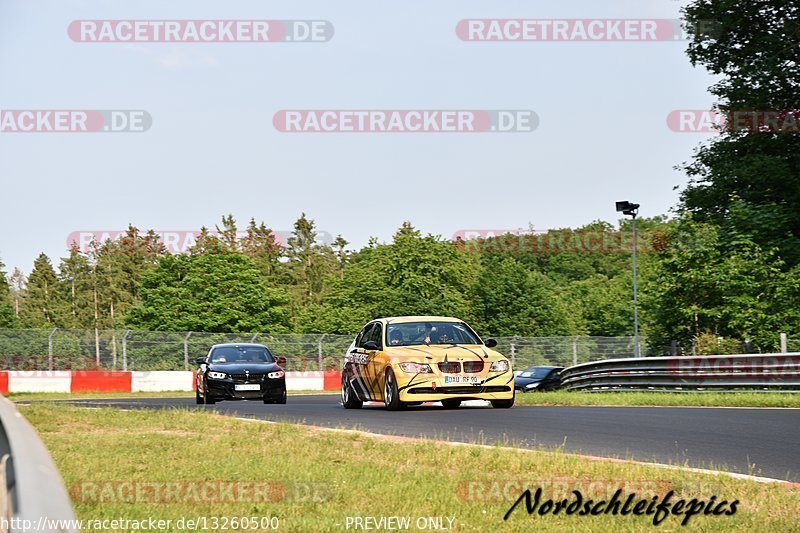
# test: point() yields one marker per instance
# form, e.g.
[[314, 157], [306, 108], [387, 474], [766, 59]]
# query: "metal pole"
[[784, 344], [114, 349], [575, 351], [636, 352], [319, 353], [50, 349], [125, 350], [186, 351]]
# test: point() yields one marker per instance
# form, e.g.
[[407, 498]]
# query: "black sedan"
[[538, 378], [240, 372]]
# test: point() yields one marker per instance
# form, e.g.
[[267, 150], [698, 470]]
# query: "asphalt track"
[[764, 442]]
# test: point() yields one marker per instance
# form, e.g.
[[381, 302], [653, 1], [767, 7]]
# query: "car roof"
[[252, 344], [421, 318], [543, 366]]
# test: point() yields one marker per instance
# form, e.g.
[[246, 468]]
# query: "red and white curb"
[[12, 381]]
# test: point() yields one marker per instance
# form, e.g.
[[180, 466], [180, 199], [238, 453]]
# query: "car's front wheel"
[[451, 404], [503, 404], [280, 400], [349, 400], [203, 398], [391, 396]]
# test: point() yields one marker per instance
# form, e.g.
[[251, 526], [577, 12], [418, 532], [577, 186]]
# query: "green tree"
[[7, 316], [18, 285], [43, 305], [260, 244], [700, 286], [339, 246], [511, 300], [220, 292], [748, 182], [604, 304], [118, 270], [413, 275], [309, 263], [75, 274]]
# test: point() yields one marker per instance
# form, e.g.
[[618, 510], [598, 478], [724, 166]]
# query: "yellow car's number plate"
[[462, 380]]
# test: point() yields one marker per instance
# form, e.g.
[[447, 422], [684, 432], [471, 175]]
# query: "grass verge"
[[676, 399], [112, 460]]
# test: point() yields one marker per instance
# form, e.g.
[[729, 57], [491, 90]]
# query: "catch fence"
[[70, 349]]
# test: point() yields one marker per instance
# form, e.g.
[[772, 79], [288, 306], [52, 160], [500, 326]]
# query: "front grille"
[[459, 390], [243, 378], [450, 368], [473, 367]]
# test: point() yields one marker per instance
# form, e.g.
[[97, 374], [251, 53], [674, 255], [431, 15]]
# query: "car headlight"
[[531, 385], [415, 368], [499, 366], [276, 375], [217, 375]]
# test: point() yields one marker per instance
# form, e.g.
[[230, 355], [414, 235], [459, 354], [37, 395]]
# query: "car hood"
[[240, 368], [438, 352], [520, 379]]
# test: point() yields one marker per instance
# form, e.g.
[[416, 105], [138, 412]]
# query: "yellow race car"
[[408, 360]]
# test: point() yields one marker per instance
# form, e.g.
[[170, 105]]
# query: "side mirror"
[[370, 345], [200, 360], [281, 361], [490, 343]]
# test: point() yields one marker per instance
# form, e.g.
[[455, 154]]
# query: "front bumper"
[[225, 389], [524, 387], [434, 387]]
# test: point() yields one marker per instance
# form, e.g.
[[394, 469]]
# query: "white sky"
[[212, 149]]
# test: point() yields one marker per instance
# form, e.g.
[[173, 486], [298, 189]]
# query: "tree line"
[[695, 286]]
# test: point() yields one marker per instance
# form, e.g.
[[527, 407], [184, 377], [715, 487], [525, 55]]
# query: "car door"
[[376, 361], [200, 373], [358, 357], [553, 380]]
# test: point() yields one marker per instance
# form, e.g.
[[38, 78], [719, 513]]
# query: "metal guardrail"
[[752, 373], [33, 491]]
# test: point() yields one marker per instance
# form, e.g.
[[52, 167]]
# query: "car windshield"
[[536, 372], [414, 333], [241, 354]]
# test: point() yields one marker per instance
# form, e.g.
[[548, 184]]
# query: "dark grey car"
[[240, 372], [538, 378]]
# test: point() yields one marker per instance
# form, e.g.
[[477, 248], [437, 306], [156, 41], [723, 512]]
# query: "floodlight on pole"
[[631, 210]]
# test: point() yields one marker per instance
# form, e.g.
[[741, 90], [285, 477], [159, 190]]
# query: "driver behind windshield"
[[442, 334], [395, 337]]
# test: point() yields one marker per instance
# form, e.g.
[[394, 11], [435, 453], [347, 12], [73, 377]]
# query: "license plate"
[[253, 386], [462, 380]]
